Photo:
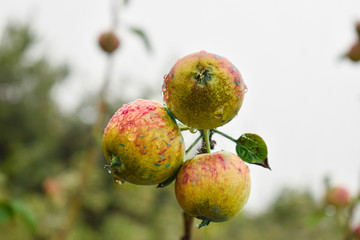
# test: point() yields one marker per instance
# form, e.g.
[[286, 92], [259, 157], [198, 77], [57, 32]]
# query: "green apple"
[[204, 90]]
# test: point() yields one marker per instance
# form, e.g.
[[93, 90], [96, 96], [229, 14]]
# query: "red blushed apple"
[[338, 197], [143, 144], [213, 187]]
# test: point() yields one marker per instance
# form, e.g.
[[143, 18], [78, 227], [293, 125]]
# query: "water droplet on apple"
[[158, 144], [131, 137], [219, 112], [151, 108], [108, 168], [130, 117], [161, 123], [118, 180], [120, 118], [193, 130], [164, 88]]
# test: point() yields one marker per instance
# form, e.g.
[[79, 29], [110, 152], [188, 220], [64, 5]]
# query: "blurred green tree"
[[36, 140], [42, 154], [30, 123]]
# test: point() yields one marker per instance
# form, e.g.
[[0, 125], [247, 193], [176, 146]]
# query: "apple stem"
[[188, 220], [193, 144], [225, 135], [206, 136]]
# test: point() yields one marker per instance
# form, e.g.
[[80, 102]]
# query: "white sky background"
[[302, 99]]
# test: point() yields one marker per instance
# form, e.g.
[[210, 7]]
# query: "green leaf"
[[251, 148], [140, 33], [204, 222], [20, 209], [6, 212]]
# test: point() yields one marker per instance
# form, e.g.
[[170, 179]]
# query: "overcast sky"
[[302, 99]]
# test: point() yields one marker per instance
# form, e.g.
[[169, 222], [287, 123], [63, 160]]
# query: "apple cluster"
[[143, 143]]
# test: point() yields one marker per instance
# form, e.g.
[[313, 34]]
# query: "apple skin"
[[143, 144], [204, 90], [213, 186], [338, 197]]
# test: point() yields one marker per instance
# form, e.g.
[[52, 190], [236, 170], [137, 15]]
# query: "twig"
[[225, 135], [92, 155], [188, 220]]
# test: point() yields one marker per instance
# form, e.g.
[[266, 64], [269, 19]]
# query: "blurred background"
[[58, 89]]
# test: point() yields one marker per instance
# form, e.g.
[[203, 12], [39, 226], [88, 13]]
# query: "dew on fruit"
[[131, 137], [193, 130], [219, 112], [151, 108], [158, 144], [118, 180], [108, 168], [161, 124], [164, 89]]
